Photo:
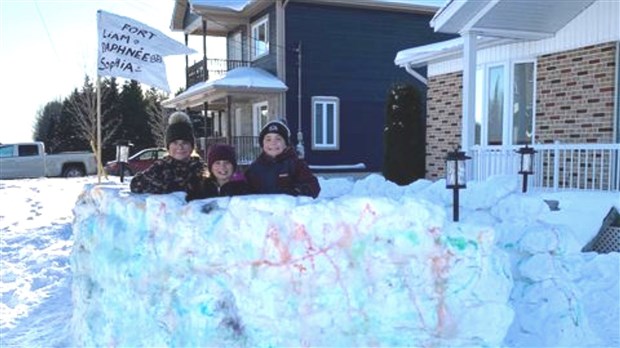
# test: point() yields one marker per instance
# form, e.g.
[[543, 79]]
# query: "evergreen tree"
[[134, 118], [404, 136], [46, 124], [67, 137], [111, 118], [71, 124]]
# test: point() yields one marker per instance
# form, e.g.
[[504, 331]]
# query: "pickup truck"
[[29, 160]]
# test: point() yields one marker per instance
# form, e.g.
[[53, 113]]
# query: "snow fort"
[[276, 271]]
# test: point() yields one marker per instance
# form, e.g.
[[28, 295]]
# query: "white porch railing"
[[556, 166]]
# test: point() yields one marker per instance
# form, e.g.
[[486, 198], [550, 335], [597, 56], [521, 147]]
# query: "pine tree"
[[134, 118], [46, 124], [67, 137], [404, 136], [111, 118]]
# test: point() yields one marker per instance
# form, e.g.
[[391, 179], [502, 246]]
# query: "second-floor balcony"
[[215, 68]]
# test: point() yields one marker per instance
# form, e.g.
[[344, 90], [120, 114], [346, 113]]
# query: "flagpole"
[[99, 164]]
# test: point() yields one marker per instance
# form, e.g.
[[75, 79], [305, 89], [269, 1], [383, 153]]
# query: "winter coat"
[[283, 174], [210, 188], [168, 175]]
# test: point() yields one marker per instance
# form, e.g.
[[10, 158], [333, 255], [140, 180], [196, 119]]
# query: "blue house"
[[325, 66]]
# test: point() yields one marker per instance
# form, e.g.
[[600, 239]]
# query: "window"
[[523, 103], [260, 112], [260, 38], [505, 104], [28, 150], [6, 151], [236, 52], [325, 122], [495, 105]]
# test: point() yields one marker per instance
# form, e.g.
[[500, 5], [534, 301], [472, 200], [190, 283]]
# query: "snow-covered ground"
[[561, 296]]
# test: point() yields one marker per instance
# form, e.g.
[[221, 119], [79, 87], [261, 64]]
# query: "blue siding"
[[349, 53]]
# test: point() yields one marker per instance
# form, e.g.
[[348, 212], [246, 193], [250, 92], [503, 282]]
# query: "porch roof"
[[423, 55], [237, 82], [524, 19], [495, 22]]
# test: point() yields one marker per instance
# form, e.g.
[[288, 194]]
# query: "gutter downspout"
[[415, 74]]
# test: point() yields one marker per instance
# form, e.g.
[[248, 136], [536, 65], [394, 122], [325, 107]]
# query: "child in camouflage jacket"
[[178, 171]]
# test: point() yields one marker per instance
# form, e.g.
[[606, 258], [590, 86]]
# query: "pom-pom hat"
[[221, 152], [277, 127], [179, 128]]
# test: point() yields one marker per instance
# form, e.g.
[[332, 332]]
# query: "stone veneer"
[[443, 124], [574, 103], [575, 92]]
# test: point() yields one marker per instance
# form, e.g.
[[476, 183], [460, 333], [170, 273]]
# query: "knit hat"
[[277, 127], [221, 152], [179, 128]]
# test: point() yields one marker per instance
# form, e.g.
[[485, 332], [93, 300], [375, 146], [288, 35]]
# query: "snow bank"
[[386, 269]]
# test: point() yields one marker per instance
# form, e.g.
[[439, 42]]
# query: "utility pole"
[[300, 136]]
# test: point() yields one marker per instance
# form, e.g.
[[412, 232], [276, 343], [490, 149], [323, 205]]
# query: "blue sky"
[[48, 46]]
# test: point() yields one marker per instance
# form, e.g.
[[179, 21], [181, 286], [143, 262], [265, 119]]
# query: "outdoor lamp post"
[[122, 155], [455, 177], [527, 163]]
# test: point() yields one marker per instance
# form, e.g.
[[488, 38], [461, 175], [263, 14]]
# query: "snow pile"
[[374, 267]]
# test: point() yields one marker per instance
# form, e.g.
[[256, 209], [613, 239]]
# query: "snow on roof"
[[421, 54], [236, 5], [449, 49], [250, 78], [238, 79]]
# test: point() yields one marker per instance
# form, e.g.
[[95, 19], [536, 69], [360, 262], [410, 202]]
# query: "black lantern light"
[[456, 178], [527, 163], [122, 156]]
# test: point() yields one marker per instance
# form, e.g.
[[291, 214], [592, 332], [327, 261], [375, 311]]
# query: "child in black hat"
[[177, 171], [278, 169], [222, 163]]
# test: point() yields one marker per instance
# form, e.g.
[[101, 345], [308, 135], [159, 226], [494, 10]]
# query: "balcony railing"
[[556, 166], [246, 147], [215, 68]]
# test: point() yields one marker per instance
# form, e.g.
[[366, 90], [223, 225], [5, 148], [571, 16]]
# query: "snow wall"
[[275, 270]]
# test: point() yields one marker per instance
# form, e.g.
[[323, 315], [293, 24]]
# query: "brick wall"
[[443, 125], [574, 103], [575, 90]]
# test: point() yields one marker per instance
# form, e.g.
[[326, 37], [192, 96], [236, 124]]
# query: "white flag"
[[133, 50]]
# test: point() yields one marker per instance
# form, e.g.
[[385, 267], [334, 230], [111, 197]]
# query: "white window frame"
[[257, 108], [323, 101], [482, 90], [255, 28]]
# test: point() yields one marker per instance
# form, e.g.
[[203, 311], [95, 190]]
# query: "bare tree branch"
[[158, 117], [84, 106]]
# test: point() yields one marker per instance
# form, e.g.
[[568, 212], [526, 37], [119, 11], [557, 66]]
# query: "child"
[[177, 171], [222, 163], [277, 169]]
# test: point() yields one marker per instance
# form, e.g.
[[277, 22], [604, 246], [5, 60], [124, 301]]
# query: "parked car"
[[29, 160], [136, 163]]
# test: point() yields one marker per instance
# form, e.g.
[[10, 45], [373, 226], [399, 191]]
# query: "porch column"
[[205, 77], [228, 119], [468, 126], [186, 64]]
